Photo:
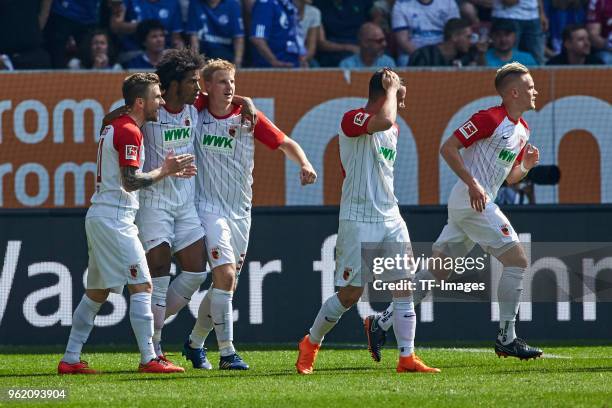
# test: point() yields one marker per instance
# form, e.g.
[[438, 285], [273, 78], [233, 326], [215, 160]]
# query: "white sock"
[[509, 295], [141, 319], [223, 319], [82, 323], [158, 307], [419, 293], [331, 311], [386, 318], [203, 325], [404, 324], [181, 290]]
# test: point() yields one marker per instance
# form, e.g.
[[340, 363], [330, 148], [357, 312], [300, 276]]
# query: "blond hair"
[[214, 65], [507, 72], [137, 86]]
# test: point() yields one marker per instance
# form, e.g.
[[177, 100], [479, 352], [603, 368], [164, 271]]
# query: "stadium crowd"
[[133, 34]]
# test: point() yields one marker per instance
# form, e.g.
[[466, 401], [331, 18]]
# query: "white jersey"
[[171, 132], [225, 152], [120, 145], [367, 161], [523, 10], [493, 143], [425, 22]]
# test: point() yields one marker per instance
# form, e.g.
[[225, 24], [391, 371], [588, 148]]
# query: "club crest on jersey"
[[187, 121], [232, 131], [134, 271], [360, 118], [347, 273], [131, 152], [105, 130], [468, 129], [215, 253], [505, 229]]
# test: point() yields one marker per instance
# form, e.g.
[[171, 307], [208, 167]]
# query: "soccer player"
[[368, 213], [167, 219], [225, 155], [496, 149], [116, 256]]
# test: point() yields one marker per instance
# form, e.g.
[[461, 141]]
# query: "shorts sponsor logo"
[[215, 253], [468, 129], [505, 229], [131, 152], [134, 271], [347, 273], [218, 144]]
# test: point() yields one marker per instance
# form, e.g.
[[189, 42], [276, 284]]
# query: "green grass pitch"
[[569, 376]]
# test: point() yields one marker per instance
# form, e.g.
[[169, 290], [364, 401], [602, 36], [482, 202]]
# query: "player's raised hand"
[[401, 97], [174, 164], [249, 114], [308, 175], [390, 80], [531, 157], [478, 196]]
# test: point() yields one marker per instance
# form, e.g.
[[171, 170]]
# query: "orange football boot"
[[77, 368], [307, 356], [159, 366], [413, 364]]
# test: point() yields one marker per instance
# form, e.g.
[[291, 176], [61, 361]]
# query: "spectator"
[[127, 16], [274, 34], [530, 22], [576, 48], [561, 13], [21, 38], [372, 44], [151, 35], [95, 52], [381, 16], [216, 29], [69, 18], [418, 23], [338, 34], [599, 19], [453, 51], [308, 30], [477, 12], [503, 35]]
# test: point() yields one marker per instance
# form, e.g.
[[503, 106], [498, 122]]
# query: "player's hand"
[[390, 80], [188, 172], [478, 197], [401, 97], [174, 164], [249, 113], [531, 157], [308, 175]]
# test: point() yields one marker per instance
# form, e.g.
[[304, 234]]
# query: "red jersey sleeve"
[[267, 133], [355, 123], [480, 126], [519, 158], [127, 141], [201, 102]]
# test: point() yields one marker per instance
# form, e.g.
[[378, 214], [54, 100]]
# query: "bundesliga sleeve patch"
[[468, 129], [131, 152], [360, 118]]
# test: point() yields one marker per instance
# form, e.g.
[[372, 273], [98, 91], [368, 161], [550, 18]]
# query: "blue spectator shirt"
[[354, 61], [524, 58], [276, 21], [82, 11], [140, 62], [216, 27], [166, 11]]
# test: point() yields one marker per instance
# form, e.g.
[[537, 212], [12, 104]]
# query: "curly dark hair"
[[175, 64]]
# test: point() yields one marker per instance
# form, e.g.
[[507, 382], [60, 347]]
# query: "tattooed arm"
[[178, 166]]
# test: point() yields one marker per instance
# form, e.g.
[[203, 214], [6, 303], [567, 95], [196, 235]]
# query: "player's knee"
[[140, 287], [98, 295], [349, 296], [224, 277], [515, 257]]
